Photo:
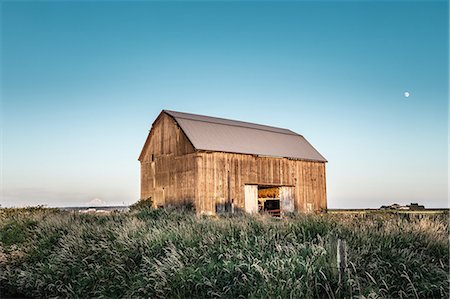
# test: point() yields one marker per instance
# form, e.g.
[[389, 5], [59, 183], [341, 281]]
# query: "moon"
[[406, 94]]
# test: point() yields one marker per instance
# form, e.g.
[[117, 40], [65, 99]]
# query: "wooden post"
[[229, 208], [341, 259]]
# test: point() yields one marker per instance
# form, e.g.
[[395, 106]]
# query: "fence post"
[[341, 259]]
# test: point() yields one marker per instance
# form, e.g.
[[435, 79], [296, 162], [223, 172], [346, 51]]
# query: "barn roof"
[[224, 135]]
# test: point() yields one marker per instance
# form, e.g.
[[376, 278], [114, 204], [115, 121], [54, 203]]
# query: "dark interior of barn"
[[269, 200]]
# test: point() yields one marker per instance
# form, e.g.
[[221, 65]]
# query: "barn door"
[[287, 199], [251, 198]]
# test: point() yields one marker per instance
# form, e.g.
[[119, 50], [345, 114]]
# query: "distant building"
[[215, 164], [416, 207]]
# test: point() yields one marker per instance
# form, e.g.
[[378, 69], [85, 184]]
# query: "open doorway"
[[274, 200], [269, 200]]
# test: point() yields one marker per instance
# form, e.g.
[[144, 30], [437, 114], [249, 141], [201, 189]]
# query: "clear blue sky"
[[83, 81]]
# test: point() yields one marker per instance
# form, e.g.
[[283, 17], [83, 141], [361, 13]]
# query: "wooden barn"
[[218, 165]]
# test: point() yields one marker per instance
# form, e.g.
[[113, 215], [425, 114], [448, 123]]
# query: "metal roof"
[[224, 135]]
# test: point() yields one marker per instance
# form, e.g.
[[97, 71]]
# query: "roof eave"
[[262, 156]]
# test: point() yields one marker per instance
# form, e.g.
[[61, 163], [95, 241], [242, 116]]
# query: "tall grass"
[[157, 253]]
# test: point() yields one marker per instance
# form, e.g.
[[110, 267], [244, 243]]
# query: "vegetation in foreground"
[[172, 254]]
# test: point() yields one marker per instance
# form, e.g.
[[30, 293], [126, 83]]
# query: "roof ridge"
[[264, 127], [234, 125]]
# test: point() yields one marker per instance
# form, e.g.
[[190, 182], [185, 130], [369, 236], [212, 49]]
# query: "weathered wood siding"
[[166, 139], [167, 164], [223, 175]]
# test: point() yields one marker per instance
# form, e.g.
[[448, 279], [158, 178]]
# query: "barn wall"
[[223, 175], [167, 164], [166, 138], [169, 180]]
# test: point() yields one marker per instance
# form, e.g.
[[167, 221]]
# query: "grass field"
[[172, 254]]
